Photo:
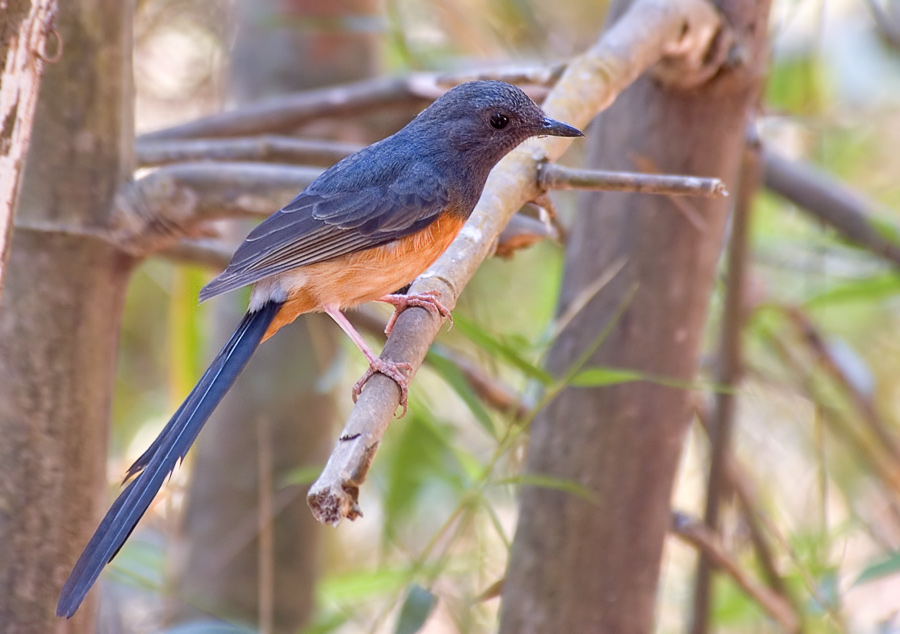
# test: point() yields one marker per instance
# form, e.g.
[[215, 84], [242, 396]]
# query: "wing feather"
[[327, 221]]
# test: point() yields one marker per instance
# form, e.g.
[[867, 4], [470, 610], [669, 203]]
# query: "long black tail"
[[169, 448]]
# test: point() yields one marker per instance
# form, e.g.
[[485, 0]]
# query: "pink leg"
[[393, 369], [428, 299]]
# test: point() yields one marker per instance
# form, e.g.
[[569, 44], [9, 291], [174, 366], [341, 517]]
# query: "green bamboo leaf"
[[301, 476], [549, 482], [879, 570], [501, 350], [454, 378], [598, 376], [416, 609]]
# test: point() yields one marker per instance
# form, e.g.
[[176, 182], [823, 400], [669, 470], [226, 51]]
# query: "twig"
[[730, 371], [552, 176], [698, 535], [736, 478], [174, 201], [888, 475], [283, 114], [266, 528], [813, 339], [821, 196], [522, 232], [265, 148], [888, 26], [546, 75], [591, 82]]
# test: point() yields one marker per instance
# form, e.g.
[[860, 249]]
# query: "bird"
[[367, 226]]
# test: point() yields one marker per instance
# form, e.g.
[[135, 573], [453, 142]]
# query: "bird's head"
[[487, 119]]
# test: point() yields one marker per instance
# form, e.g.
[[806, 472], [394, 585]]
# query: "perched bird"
[[363, 229]]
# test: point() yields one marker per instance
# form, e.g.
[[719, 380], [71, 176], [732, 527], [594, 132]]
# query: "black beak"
[[553, 127]]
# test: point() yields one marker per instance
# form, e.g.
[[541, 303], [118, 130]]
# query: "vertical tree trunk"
[[593, 566], [23, 38], [60, 318], [225, 566]]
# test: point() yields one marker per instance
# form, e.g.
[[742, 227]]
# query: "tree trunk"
[[60, 321], [23, 38], [229, 569], [593, 566]]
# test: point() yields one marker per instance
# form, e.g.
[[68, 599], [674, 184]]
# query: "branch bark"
[[266, 148], [60, 322], [23, 41], [591, 83], [558, 177], [705, 540], [582, 566], [283, 114], [730, 373], [827, 200]]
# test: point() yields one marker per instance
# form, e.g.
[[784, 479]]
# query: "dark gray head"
[[490, 118]]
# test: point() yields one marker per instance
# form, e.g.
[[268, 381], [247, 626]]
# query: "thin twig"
[[816, 343], [730, 371], [266, 528], [736, 479], [590, 83], [522, 232], [698, 535], [283, 114], [541, 75], [835, 205], [553, 176], [267, 148]]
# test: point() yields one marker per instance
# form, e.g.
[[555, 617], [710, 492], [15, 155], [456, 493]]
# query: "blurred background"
[[822, 344]]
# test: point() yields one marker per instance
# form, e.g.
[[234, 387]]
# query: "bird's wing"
[[324, 222]]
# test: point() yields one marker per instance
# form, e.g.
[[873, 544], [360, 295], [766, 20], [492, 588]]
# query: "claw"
[[427, 299], [391, 369]]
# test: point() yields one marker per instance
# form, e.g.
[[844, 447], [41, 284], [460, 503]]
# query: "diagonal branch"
[[283, 114], [642, 37], [829, 201], [268, 148], [706, 542]]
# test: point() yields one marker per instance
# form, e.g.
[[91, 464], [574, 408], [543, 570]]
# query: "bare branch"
[[648, 30], [174, 201], [887, 21], [266, 149], [698, 535], [24, 40], [534, 75], [282, 114], [821, 196], [816, 343], [522, 232], [730, 373], [553, 176]]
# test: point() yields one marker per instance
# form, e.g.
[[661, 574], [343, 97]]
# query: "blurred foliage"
[[440, 502]]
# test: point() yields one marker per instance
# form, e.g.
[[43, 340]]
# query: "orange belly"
[[361, 277]]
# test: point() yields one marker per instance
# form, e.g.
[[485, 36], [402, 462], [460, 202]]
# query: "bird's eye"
[[499, 120]]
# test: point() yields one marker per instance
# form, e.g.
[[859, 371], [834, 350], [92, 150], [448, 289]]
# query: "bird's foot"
[[396, 370], [428, 299]]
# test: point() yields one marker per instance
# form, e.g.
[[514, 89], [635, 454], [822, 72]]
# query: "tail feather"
[[169, 448]]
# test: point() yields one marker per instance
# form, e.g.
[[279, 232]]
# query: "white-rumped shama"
[[363, 229]]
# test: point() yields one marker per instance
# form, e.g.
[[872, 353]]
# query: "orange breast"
[[361, 277]]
